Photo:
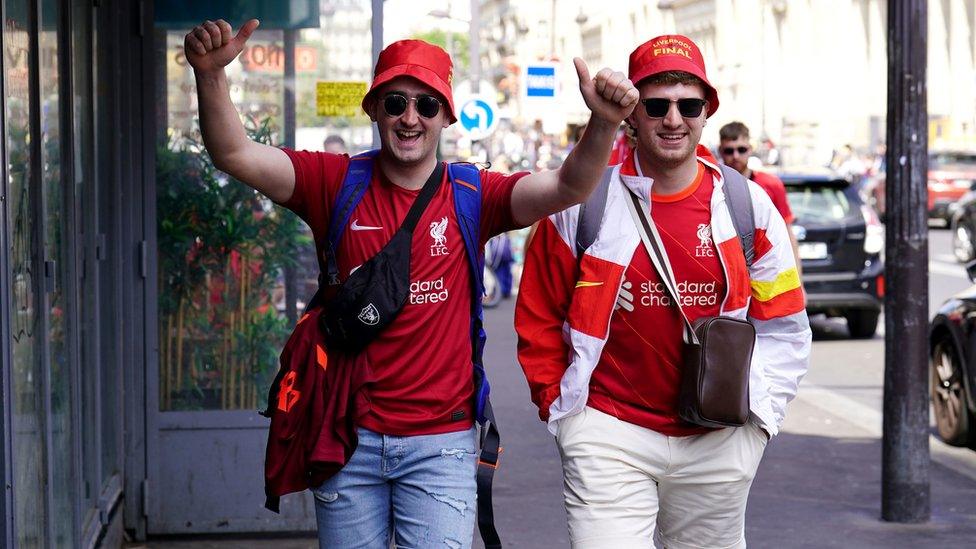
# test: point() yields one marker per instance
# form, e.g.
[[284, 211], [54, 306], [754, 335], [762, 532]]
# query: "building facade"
[[144, 296], [810, 76]]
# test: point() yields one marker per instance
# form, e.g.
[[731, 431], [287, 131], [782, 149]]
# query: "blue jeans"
[[420, 488]]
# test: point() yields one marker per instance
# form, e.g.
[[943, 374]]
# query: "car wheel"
[[962, 241], [862, 324], [952, 417]]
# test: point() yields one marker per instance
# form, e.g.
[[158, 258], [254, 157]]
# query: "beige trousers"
[[625, 486]]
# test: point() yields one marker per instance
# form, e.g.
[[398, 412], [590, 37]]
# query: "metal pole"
[[552, 32], [291, 282], [376, 29], [762, 65], [474, 46], [905, 447]]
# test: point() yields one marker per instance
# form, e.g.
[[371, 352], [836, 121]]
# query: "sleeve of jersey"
[[777, 308], [317, 175], [496, 203], [545, 292]]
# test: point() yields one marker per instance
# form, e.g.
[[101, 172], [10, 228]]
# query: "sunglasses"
[[395, 104], [729, 151], [658, 107]]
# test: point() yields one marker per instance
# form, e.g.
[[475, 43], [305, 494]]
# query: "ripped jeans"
[[418, 491]]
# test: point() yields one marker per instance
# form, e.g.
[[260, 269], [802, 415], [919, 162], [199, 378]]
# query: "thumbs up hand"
[[609, 95], [211, 46]]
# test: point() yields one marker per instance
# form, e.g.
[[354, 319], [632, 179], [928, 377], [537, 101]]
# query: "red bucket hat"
[[422, 61], [671, 52]]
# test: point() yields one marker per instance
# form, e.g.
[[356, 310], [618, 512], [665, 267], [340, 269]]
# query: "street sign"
[[339, 98], [477, 116], [540, 80]]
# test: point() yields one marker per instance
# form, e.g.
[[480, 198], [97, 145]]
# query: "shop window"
[[26, 380], [233, 267]]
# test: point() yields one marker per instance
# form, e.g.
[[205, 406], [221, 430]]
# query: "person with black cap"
[[603, 337], [411, 479]]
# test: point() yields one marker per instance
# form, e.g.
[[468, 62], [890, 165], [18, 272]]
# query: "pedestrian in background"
[[601, 342], [334, 144], [411, 479], [735, 150], [499, 257]]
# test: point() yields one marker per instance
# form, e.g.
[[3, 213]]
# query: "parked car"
[[962, 225], [951, 175], [841, 242], [952, 344]]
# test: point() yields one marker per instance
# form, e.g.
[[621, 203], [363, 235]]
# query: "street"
[[820, 482]]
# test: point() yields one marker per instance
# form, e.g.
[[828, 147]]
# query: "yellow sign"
[[339, 98]]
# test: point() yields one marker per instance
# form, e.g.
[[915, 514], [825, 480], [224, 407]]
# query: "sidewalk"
[[819, 485]]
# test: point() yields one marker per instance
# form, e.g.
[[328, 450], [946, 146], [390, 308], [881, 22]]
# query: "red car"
[[951, 175]]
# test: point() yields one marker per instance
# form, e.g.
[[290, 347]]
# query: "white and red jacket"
[[564, 306]]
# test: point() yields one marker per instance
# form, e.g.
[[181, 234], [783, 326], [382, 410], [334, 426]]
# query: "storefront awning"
[[273, 14]]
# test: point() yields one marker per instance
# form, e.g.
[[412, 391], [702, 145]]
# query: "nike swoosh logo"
[[357, 227], [587, 284]]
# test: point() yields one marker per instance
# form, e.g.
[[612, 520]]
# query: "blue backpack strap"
[[354, 185], [466, 184]]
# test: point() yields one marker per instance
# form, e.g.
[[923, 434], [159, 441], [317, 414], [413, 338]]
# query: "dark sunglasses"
[[395, 104], [729, 151], [658, 107]]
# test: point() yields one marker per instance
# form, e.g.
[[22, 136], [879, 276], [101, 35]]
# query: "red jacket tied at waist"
[[314, 406]]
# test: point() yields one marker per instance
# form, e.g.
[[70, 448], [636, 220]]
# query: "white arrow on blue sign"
[[478, 117]]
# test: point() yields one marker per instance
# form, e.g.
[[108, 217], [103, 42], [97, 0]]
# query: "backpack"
[[465, 180], [737, 196]]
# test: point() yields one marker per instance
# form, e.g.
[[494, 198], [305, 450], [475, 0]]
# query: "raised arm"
[[610, 97], [209, 48]]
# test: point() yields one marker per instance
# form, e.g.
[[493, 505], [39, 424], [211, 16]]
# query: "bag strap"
[[423, 199], [487, 464], [466, 184], [659, 257], [466, 181], [739, 202], [591, 214]]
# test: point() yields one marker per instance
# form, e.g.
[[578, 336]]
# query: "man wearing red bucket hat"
[[602, 338], [411, 478]]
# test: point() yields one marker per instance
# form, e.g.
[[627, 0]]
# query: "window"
[[27, 379], [228, 279]]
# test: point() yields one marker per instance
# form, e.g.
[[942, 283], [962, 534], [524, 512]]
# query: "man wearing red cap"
[[414, 465], [601, 338]]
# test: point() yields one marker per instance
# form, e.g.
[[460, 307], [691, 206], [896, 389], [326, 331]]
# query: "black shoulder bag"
[[373, 295]]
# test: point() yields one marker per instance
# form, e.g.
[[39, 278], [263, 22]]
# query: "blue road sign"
[[478, 117], [540, 81]]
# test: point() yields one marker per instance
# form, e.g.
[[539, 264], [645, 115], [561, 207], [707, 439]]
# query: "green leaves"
[[222, 251]]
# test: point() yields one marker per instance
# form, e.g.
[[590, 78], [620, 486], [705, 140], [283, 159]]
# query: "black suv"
[[841, 242]]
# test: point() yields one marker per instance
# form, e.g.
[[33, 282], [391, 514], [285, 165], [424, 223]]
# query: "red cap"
[[671, 52], [424, 62]]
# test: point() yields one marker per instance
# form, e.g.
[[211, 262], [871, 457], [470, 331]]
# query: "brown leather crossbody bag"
[[718, 350]]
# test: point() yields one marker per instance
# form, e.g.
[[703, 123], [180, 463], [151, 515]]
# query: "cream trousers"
[[625, 486]]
